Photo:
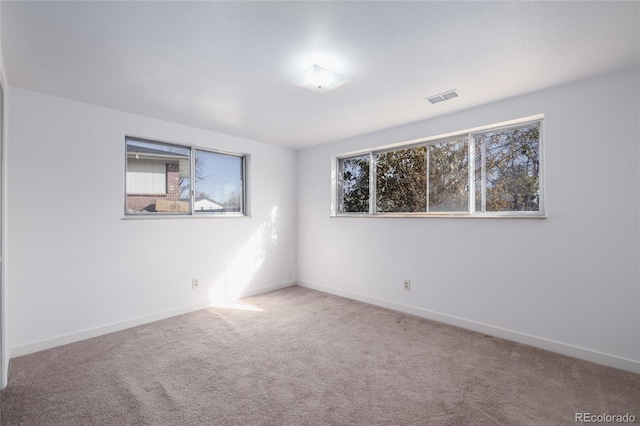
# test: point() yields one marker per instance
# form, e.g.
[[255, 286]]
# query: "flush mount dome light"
[[320, 79]]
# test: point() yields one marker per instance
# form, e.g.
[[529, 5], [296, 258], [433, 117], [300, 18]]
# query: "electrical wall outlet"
[[195, 283], [407, 285]]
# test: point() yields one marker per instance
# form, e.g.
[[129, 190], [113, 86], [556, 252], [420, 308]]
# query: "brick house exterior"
[[153, 178], [147, 202]]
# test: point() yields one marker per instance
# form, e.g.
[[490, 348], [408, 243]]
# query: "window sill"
[[184, 216], [445, 215]]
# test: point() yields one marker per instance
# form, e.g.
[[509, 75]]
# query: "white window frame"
[[336, 174], [244, 204]]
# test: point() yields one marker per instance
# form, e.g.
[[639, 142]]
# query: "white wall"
[[569, 283], [79, 269], [4, 348]]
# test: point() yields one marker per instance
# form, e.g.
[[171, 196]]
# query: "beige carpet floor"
[[307, 358]]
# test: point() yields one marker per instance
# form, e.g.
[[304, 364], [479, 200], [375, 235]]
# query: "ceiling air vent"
[[445, 96]]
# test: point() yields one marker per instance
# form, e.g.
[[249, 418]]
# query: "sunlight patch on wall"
[[273, 220], [231, 285]]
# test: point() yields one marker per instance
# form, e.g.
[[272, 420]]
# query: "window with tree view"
[[355, 184], [165, 179], [493, 172]]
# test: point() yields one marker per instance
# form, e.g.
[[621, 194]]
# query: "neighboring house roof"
[[204, 203], [159, 155], [152, 153]]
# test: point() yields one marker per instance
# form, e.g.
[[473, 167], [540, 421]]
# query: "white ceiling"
[[227, 66]]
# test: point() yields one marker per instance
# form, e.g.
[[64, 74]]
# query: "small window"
[[492, 172], [160, 178], [354, 186]]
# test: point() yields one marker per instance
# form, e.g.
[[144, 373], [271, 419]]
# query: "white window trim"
[[336, 187]]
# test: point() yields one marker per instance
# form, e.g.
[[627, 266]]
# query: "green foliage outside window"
[[401, 180], [355, 184], [512, 164], [435, 178]]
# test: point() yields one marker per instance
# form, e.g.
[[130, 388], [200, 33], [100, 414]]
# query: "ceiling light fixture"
[[319, 79], [442, 97]]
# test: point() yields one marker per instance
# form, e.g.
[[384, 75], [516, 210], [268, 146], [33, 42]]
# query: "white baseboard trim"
[[100, 331], [123, 325], [538, 342]]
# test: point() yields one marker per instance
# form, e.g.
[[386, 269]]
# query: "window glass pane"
[[512, 159], [218, 183], [355, 184], [401, 180], [448, 176], [146, 177], [157, 178], [435, 177]]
